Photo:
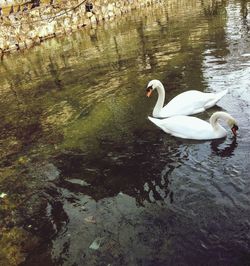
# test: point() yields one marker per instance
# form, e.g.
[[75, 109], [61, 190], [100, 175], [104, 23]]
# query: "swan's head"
[[233, 125], [152, 85]]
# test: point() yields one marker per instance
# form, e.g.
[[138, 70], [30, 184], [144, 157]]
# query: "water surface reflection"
[[224, 151], [90, 180]]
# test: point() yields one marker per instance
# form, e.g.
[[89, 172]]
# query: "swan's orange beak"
[[149, 91], [234, 130]]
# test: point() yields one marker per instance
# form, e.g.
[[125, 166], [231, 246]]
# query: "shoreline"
[[25, 29]]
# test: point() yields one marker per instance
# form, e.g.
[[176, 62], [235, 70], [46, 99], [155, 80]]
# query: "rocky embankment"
[[25, 25]]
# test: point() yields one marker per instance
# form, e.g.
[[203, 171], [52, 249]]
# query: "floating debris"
[[83, 208], [23, 160], [90, 219], [3, 195], [96, 243], [78, 182]]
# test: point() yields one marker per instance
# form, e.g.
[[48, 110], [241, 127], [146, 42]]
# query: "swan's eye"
[[149, 91], [234, 129]]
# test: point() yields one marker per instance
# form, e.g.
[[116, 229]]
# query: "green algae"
[[12, 246]]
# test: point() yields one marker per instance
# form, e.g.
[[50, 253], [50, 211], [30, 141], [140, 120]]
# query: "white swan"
[[186, 103], [188, 127]]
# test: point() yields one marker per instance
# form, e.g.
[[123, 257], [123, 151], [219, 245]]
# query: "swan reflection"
[[225, 151]]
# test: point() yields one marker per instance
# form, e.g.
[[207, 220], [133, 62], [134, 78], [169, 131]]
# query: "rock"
[[43, 32], [34, 13], [21, 45], [89, 14], [36, 40], [106, 16], [103, 9], [44, 171], [93, 19], [110, 7], [99, 17], [118, 12], [86, 22], [2, 41], [66, 24], [51, 27], [28, 43], [12, 47], [111, 14]]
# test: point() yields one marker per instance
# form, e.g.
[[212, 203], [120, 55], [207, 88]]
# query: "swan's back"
[[187, 103]]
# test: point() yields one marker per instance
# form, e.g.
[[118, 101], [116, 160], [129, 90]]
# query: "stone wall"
[[8, 2], [24, 28]]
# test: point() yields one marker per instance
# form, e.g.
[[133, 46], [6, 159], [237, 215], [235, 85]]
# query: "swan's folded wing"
[[187, 103], [187, 127]]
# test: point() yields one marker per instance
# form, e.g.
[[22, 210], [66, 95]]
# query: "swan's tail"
[[158, 122], [161, 123], [221, 94], [215, 98], [153, 120]]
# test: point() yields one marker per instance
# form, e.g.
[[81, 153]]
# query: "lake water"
[[89, 180]]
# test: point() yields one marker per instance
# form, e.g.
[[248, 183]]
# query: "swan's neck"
[[160, 101], [214, 120]]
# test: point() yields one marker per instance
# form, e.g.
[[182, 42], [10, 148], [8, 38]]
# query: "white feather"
[[187, 103]]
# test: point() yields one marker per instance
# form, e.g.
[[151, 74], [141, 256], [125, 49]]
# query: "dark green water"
[[89, 180]]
